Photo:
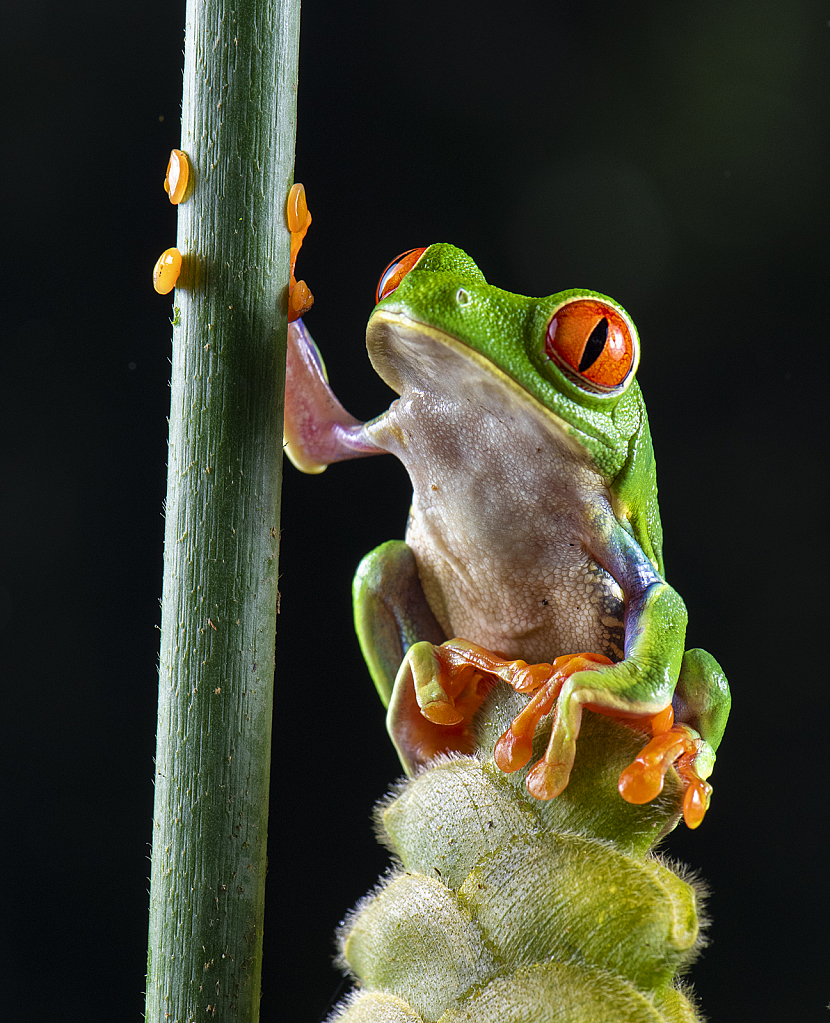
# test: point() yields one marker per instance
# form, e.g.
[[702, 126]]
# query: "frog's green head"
[[575, 352]]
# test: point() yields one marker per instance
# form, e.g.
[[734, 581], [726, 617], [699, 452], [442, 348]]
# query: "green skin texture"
[[445, 304]]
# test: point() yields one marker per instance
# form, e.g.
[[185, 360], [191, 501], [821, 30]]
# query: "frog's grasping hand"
[[534, 529]]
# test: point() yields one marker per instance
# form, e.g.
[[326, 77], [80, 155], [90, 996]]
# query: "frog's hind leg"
[[702, 699], [432, 686], [391, 613], [398, 633]]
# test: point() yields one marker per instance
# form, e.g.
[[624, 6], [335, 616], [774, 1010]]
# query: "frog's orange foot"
[[643, 779], [457, 698], [300, 299], [450, 684], [515, 748], [456, 676], [433, 702]]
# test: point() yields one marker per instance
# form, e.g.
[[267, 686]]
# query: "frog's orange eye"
[[396, 271], [179, 177], [591, 338], [166, 271]]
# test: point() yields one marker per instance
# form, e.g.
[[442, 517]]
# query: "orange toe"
[[643, 779], [544, 780], [640, 784], [513, 751], [441, 713]]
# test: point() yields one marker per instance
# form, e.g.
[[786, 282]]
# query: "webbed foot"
[[439, 689], [673, 745], [515, 748], [701, 701], [679, 746], [300, 299]]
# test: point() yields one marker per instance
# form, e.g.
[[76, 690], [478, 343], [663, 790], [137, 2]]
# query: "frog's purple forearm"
[[318, 430], [651, 605]]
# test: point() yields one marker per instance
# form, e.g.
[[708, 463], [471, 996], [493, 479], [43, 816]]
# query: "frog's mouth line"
[[390, 333]]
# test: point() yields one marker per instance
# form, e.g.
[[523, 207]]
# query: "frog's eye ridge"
[[591, 338], [396, 271]]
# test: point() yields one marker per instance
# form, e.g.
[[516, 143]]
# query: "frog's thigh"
[[391, 612], [702, 697]]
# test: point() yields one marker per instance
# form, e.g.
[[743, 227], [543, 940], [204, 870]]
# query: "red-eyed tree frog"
[[533, 551]]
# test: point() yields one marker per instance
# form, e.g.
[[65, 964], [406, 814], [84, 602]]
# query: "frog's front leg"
[[638, 687], [701, 707], [653, 683], [317, 429]]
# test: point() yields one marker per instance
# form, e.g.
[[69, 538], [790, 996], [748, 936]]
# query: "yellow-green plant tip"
[[515, 911]]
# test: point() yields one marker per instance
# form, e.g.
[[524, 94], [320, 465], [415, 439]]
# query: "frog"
[[533, 549]]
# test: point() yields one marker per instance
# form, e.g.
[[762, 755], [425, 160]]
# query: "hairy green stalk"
[[511, 910], [222, 526]]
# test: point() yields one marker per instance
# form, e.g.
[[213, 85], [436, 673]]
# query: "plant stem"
[[222, 527]]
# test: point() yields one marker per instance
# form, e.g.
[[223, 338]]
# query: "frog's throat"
[[385, 327]]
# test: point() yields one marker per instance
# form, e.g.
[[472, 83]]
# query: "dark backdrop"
[[670, 154]]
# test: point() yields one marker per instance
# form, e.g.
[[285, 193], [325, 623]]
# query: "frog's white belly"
[[504, 512], [532, 609], [531, 597]]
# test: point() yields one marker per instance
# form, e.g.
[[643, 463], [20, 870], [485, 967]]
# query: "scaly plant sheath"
[[505, 909], [222, 526]]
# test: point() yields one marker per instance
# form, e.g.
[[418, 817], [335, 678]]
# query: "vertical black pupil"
[[594, 345]]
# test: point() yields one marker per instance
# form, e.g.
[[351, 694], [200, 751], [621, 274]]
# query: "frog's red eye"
[[396, 271], [591, 338]]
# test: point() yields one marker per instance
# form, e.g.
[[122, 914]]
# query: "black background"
[[673, 155]]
